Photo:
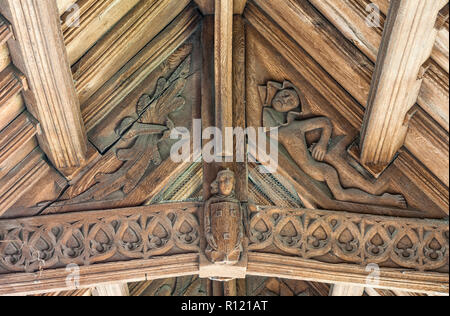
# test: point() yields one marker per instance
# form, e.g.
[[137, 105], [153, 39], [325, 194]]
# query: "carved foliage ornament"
[[30, 245], [415, 244]]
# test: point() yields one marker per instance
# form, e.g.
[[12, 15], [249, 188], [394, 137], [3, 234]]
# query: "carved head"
[[286, 100], [224, 183]]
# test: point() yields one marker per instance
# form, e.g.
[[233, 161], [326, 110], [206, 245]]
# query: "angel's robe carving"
[[282, 109], [224, 229]]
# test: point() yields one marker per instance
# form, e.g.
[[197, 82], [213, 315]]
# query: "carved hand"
[[319, 151]]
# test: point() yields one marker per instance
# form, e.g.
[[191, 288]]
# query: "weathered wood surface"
[[121, 43], [207, 7], [327, 98], [343, 61], [271, 265], [93, 19], [51, 97], [346, 290], [223, 69], [118, 289], [397, 79]]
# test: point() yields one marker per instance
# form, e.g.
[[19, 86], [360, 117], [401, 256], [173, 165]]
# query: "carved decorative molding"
[[263, 28], [16, 142], [421, 245], [84, 26], [299, 54], [49, 242], [5, 30], [123, 42], [134, 72], [21, 179], [38, 51]]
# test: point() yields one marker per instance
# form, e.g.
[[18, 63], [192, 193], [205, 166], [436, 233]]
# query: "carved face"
[[225, 183], [286, 100]]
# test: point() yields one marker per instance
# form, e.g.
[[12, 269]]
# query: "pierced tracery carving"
[[29, 245], [409, 243], [283, 109]]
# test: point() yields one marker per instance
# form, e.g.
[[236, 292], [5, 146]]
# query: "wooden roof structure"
[[91, 202]]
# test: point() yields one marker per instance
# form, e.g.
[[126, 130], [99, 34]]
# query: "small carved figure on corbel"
[[224, 230], [283, 110]]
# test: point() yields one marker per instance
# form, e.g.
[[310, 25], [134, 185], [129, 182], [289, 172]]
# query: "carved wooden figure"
[[223, 221], [282, 109]]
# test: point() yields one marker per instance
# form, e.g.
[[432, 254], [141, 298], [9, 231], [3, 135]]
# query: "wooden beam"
[[343, 62], [307, 64], [95, 19], [407, 43], [138, 27], [346, 290], [223, 65], [207, 7], [38, 51], [274, 265], [118, 289], [104, 238]]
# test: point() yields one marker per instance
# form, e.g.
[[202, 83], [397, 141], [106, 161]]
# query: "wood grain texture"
[[350, 17], [39, 53], [16, 142], [223, 66], [397, 82], [272, 265], [11, 101], [118, 289], [134, 72], [123, 42], [21, 179], [346, 290], [139, 270], [5, 30], [207, 7], [348, 106], [95, 18], [64, 5]]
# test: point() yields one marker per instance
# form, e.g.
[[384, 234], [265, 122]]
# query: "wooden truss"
[[112, 226]]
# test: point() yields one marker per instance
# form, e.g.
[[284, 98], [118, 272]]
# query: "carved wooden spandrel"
[[283, 110], [143, 141], [224, 255]]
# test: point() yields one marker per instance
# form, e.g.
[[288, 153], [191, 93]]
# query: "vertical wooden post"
[[407, 43], [38, 51], [223, 64]]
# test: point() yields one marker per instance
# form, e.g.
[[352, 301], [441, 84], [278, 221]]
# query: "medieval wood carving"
[[311, 234], [283, 109], [223, 221], [143, 139], [223, 231], [48, 242]]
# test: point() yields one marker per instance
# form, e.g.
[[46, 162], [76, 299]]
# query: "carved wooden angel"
[[224, 228], [282, 109]]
